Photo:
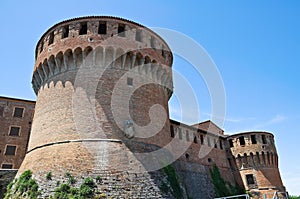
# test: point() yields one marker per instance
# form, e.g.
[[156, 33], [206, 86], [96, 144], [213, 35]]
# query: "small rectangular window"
[[250, 179], [242, 140], [221, 144], [65, 32], [121, 30], [253, 139], [138, 35], [1, 111], [195, 139], [102, 28], [172, 131], [129, 81], [83, 29], [264, 140], [230, 143], [14, 131], [6, 166], [10, 150], [51, 38], [18, 112]]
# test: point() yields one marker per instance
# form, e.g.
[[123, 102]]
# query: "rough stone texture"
[[6, 176], [195, 179]]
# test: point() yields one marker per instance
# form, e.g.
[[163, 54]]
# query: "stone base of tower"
[[122, 174]]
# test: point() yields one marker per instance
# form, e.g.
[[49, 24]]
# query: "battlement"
[[95, 29]]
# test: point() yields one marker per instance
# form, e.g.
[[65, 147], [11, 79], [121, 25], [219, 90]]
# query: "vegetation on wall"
[[173, 180], [294, 197], [23, 187], [223, 188], [26, 187]]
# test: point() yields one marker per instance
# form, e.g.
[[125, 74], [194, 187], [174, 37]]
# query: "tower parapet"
[[255, 161]]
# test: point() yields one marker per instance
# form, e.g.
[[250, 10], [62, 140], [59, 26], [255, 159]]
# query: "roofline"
[[210, 122], [197, 129], [251, 132], [96, 17], [17, 99]]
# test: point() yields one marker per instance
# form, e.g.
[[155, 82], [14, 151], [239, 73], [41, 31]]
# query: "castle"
[[103, 85]]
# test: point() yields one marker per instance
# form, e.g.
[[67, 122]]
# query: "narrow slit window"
[[230, 143], [172, 131], [121, 30], [129, 81], [14, 131], [221, 144], [242, 140], [65, 32], [102, 28], [195, 139], [18, 112], [83, 29], [201, 139], [51, 38], [253, 139]]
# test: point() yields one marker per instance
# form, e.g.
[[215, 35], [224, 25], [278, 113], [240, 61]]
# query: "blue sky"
[[255, 45]]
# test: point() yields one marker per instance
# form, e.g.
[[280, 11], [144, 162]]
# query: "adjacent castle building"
[[103, 85]]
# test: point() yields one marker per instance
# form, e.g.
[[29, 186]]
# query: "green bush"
[[173, 180], [23, 187], [49, 175], [223, 188]]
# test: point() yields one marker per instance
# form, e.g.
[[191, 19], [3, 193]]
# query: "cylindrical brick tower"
[[103, 85], [255, 162]]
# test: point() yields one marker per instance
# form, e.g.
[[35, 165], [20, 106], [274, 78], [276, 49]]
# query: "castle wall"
[[15, 122]]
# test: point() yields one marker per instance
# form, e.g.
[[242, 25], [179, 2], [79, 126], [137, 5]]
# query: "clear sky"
[[255, 45]]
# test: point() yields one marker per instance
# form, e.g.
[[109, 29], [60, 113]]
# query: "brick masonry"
[[91, 84]]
